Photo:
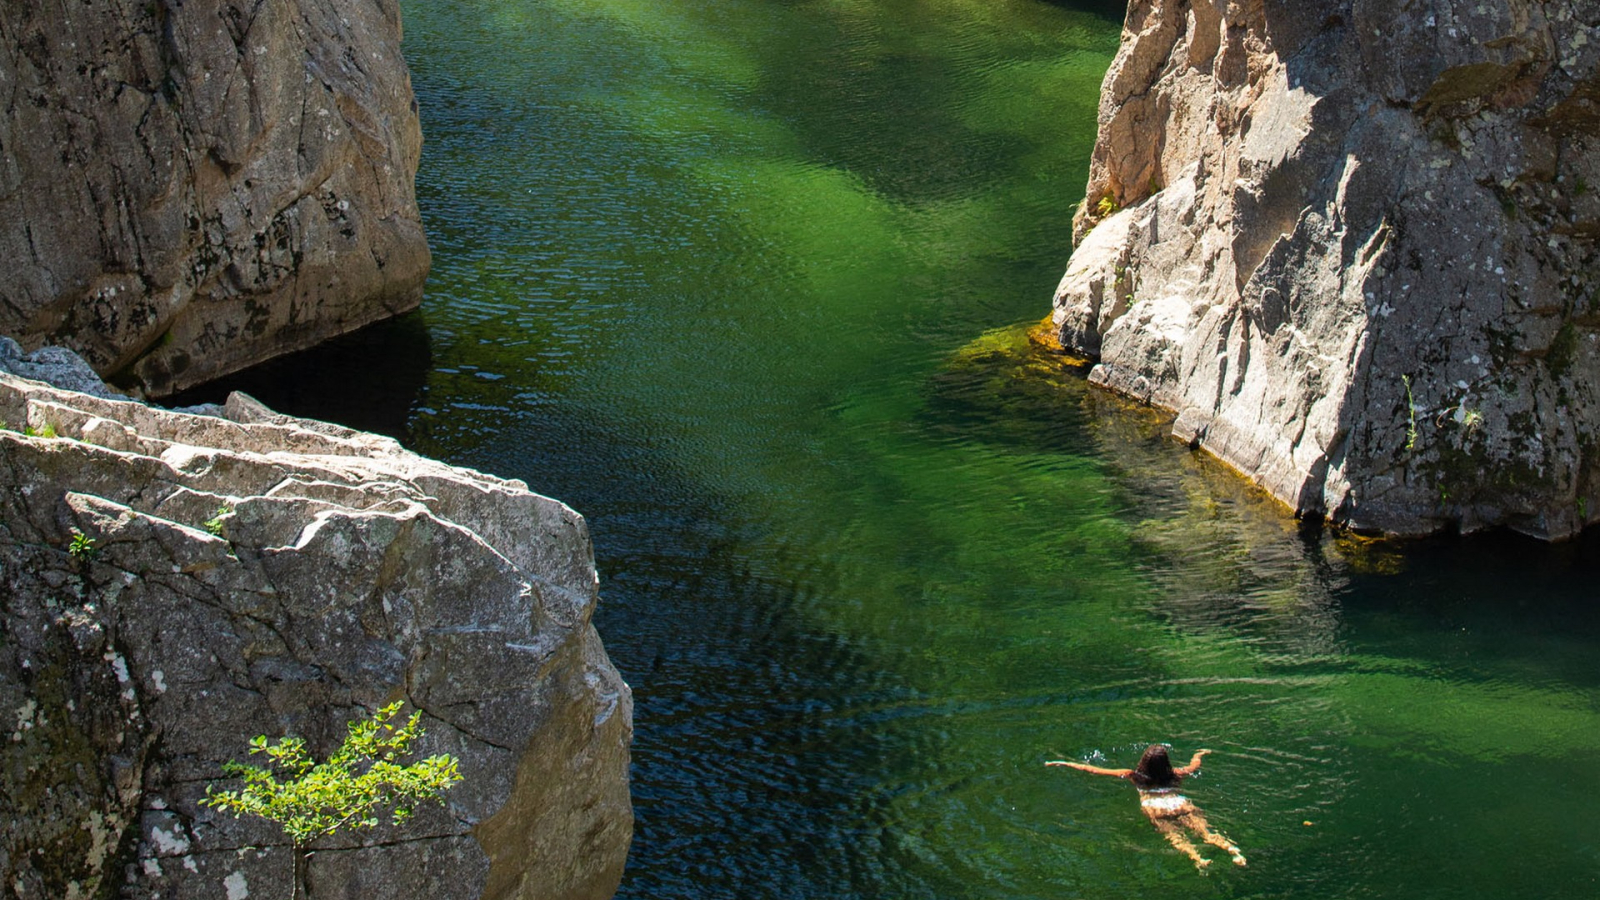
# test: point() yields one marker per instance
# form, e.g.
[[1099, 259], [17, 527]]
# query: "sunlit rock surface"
[[188, 188], [1353, 246], [244, 573]]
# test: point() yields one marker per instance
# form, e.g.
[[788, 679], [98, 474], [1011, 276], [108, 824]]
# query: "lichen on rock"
[[241, 573], [1353, 246]]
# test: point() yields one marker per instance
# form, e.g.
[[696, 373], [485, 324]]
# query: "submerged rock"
[[175, 583], [189, 188], [1353, 246]]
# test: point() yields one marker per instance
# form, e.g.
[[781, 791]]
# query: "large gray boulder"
[[1352, 245], [251, 573], [189, 187]]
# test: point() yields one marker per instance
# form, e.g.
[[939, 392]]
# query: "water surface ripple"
[[745, 282]]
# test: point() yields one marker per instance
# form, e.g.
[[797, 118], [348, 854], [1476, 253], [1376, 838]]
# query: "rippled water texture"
[[746, 283]]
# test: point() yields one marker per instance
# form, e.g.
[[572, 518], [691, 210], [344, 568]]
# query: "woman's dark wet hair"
[[1155, 769]]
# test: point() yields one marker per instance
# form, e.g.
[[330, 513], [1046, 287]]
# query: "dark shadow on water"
[[1491, 592], [369, 379], [753, 774], [1114, 10]]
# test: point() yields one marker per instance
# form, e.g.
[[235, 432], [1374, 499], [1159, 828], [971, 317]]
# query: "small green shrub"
[[216, 523], [364, 775], [81, 546], [46, 430], [1107, 205]]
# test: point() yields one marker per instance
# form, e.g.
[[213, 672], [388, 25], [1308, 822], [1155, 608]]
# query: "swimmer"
[[1169, 811]]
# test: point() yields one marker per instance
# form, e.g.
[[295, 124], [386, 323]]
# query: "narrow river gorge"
[[748, 284]]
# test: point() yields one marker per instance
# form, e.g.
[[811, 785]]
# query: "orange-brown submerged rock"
[[1353, 246], [188, 188]]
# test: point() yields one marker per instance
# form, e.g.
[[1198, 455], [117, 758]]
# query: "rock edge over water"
[[189, 188], [252, 573], [1353, 246]]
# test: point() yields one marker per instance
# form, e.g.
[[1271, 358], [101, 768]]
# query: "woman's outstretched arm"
[[1093, 770], [1193, 766]]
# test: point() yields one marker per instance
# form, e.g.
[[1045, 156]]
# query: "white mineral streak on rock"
[[1355, 254], [351, 573]]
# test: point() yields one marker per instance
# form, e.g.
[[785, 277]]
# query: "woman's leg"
[[1197, 822], [1173, 832]]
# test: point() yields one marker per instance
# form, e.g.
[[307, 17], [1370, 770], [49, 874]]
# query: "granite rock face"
[[1353, 245], [175, 583], [189, 187]]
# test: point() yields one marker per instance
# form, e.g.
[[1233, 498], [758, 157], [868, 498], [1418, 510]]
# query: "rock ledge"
[[251, 573]]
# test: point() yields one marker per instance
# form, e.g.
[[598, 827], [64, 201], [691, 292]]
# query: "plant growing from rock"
[[81, 546], [217, 523], [311, 799], [1411, 413], [1469, 419]]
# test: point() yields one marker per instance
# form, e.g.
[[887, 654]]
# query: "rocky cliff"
[[188, 187], [1353, 245], [176, 583]]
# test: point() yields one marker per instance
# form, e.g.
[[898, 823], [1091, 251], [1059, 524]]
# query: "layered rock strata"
[[188, 188], [176, 583], [1353, 245]]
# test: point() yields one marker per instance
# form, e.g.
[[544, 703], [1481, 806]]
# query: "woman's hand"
[[1194, 763]]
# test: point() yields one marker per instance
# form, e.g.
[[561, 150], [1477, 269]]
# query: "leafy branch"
[[309, 799]]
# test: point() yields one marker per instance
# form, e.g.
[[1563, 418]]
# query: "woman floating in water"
[[1169, 811]]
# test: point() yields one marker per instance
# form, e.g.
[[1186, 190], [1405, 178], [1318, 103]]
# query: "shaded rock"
[[249, 573], [54, 365], [188, 188], [1353, 246]]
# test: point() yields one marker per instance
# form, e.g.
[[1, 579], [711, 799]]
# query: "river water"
[[747, 282]]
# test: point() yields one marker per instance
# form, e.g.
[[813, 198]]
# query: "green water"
[[746, 283]]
